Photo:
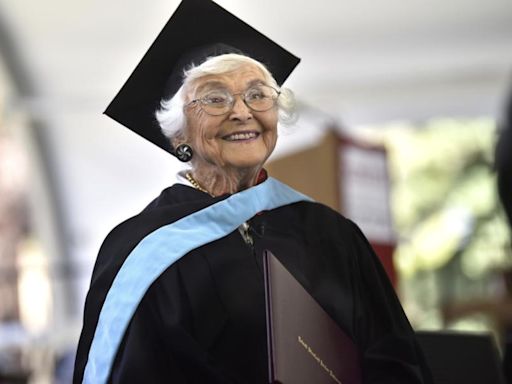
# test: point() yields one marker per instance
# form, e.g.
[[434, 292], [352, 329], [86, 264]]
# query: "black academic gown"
[[203, 319]]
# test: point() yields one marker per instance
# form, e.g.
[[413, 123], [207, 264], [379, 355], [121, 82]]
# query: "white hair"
[[171, 117]]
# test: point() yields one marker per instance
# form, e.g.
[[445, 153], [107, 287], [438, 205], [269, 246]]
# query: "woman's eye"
[[255, 95], [215, 99]]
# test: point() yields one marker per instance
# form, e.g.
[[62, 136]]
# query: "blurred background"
[[400, 104]]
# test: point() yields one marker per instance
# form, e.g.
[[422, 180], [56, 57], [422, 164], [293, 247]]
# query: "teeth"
[[241, 136]]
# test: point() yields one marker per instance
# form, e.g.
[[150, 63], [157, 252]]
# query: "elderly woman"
[[226, 112], [177, 293]]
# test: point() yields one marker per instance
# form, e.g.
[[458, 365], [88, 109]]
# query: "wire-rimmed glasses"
[[259, 98]]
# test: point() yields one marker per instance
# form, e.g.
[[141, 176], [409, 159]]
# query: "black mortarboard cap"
[[198, 29]]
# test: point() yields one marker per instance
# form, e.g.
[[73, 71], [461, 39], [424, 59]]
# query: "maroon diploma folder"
[[305, 345]]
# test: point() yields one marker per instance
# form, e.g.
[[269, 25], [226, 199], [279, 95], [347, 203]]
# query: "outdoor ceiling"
[[80, 52]]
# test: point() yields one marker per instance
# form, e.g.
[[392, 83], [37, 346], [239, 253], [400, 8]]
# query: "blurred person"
[[499, 308], [177, 292], [503, 162]]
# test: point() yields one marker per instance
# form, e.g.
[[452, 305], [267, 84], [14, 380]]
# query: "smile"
[[238, 136]]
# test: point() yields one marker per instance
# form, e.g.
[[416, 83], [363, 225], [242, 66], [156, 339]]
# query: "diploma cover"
[[305, 345]]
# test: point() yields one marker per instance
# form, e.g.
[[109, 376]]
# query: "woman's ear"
[[177, 139], [175, 142]]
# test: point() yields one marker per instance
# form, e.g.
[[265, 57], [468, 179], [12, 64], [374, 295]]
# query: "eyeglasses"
[[259, 98]]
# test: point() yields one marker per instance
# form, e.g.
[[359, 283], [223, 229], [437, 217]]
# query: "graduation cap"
[[198, 29]]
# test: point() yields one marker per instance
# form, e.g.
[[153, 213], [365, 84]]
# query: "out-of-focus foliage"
[[452, 234]]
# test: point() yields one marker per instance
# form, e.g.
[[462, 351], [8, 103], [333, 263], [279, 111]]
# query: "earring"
[[184, 152]]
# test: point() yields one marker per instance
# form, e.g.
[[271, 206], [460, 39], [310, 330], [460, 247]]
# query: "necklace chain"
[[195, 184]]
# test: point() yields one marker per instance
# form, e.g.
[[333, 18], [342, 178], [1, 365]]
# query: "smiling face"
[[241, 139]]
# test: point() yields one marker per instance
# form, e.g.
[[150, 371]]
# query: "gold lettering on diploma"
[[318, 359]]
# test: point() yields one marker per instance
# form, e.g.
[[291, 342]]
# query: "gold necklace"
[[195, 184]]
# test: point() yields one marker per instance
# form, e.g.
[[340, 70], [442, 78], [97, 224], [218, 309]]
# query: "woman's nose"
[[240, 110]]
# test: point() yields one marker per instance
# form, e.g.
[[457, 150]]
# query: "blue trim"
[[163, 247]]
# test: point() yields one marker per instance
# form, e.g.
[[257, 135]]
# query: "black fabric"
[[203, 320], [461, 357], [503, 162]]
